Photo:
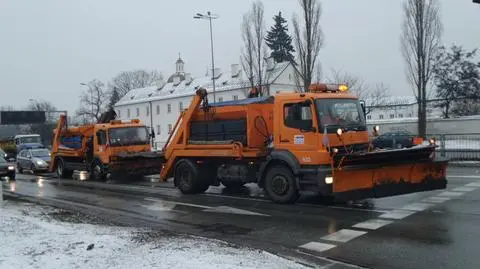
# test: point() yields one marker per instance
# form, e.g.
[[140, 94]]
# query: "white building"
[[398, 108], [159, 106]]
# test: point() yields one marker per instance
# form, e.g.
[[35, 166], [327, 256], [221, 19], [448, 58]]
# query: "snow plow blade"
[[136, 164], [388, 173]]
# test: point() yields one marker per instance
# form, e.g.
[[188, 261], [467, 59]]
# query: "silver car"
[[35, 160]]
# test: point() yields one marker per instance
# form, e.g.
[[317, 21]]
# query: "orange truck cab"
[[103, 149], [314, 142]]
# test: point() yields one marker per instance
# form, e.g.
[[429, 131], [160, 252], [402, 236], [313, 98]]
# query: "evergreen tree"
[[279, 41], [114, 98]]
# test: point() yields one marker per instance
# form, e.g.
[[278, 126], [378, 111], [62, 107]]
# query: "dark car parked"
[[8, 156], [396, 140], [35, 160], [6, 169]]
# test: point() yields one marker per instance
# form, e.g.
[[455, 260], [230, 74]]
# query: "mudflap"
[[389, 178]]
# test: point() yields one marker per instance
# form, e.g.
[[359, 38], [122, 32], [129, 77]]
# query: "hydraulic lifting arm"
[[179, 134]]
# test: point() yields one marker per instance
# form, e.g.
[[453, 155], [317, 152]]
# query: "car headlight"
[[11, 167], [41, 162], [328, 179]]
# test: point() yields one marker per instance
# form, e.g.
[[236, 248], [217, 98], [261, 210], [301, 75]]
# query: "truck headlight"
[[328, 179], [432, 141], [339, 131], [11, 167]]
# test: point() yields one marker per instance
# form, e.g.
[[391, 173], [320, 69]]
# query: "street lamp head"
[[83, 84]]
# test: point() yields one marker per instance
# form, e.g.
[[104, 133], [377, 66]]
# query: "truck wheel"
[[61, 171], [280, 185], [187, 178]]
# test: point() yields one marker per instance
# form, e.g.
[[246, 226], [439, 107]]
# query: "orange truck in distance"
[[114, 149], [292, 143]]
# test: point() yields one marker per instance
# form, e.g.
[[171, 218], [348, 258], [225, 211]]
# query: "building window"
[[235, 97], [128, 113], [380, 117], [169, 129], [220, 99], [158, 129], [180, 106], [392, 116], [400, 115], [369, 117], [148, 111], [138, 112], [410, 115], [158, 109], [169, 108]]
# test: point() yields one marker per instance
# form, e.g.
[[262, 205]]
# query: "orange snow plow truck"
[[292, 143], [113, 149]]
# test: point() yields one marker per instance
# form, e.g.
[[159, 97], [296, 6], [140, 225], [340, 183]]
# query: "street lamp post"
[[91, 99], [210, 16]]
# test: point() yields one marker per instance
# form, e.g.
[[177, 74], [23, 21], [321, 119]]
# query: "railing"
[[458, 147]]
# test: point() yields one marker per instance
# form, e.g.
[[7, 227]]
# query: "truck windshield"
[[128, 136], [345, 113], [30, 139]]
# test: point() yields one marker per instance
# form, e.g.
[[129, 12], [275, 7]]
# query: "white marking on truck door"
[[299, 139]]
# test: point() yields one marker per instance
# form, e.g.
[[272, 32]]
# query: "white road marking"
[[473, 184], [464, 189], [176, 203], [317, 246], [417, 206], [436, 199], [396, 214], [232, 210], [451, 194], [372, 224], [343, 235], [462, 176]]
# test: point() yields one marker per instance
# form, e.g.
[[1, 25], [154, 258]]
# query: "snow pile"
[[31, 238]]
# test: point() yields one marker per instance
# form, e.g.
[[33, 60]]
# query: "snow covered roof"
[[187, 87], [394, 101]]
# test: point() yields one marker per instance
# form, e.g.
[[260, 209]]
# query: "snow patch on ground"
[[32, 237]]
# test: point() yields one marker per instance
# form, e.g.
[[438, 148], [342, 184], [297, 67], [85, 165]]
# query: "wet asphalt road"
[[438, 229]]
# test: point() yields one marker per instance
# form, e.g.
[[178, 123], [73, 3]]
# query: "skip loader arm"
[[178, 137], [61, 125]]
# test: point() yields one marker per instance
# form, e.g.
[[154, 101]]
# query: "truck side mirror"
[[364, 109]]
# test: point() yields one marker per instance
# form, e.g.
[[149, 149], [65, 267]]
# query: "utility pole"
[[210, 16]]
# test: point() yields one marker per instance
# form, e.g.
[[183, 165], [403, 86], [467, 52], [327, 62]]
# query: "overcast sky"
[[48, 47]]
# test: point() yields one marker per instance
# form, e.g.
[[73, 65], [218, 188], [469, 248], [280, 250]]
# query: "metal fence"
[[458, 147]]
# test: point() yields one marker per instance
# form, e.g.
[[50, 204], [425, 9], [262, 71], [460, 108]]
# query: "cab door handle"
[[284, 140]]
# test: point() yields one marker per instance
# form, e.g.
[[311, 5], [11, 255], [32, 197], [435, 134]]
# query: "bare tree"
[[43, 105], [247, 56], [92, 101], [374, 96], [308, 39], [129, 80], [420, 40], [255, 49]]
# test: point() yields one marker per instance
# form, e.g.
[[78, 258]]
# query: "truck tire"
[[280, 185], [188, 178], [61, 171]]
